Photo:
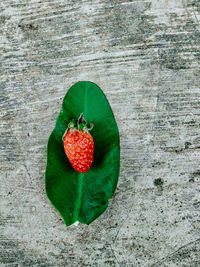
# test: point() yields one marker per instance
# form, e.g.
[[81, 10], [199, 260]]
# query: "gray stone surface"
[[145, 56]]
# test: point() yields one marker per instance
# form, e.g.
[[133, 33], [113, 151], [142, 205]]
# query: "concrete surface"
[[145, 56]]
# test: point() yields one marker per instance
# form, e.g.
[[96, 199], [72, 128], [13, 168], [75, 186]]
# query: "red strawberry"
[[79, 145]]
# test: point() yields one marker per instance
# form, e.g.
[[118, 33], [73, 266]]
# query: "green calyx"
[[80, 124], [72, 124]]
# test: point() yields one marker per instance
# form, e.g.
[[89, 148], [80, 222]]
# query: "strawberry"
[[79, 144]]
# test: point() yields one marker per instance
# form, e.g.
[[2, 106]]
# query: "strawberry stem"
[[81, 119], [81, 123]]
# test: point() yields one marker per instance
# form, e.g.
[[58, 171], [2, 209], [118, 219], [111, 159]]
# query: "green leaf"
[[83, 196]]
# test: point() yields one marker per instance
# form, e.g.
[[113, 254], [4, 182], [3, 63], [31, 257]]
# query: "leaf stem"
[[79, 196]]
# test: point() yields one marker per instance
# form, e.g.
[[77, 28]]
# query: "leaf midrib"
[[80, 175]]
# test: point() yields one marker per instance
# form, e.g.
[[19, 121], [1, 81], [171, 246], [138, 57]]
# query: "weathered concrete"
[[145, 56]]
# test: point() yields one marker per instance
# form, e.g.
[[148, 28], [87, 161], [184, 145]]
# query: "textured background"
[[145, 57]]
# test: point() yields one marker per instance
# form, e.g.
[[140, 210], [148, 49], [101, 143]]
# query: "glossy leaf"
[[83, 196]]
